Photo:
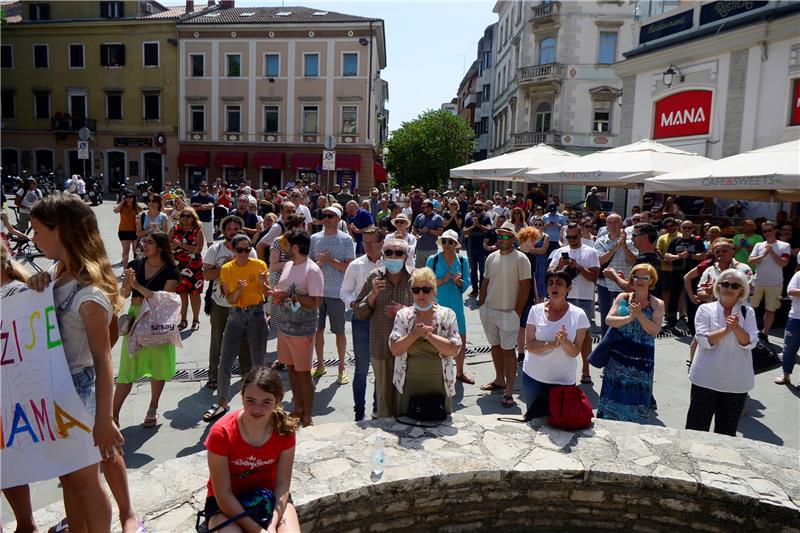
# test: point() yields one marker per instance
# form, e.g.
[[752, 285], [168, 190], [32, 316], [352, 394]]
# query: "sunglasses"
[[505, 237], [393, 253], [730, 285], [425, 290], [642, 277], [400, 222], [448, 241], [243, 250], [330, 215]]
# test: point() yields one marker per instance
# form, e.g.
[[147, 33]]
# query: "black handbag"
[[427, 408], [765, 356]]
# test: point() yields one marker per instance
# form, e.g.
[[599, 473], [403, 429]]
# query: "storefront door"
[[152, 171]]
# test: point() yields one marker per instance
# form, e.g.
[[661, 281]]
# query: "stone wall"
[[477, 472]]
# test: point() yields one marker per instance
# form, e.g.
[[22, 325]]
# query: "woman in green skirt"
[[424, 341], [154, 271]]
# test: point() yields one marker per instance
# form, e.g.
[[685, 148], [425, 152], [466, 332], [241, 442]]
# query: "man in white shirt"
[[298, 199], [354, 278], [583, 263], [275, 231], [768, 257]]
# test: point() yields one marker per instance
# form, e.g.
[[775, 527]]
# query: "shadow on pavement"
[[752, 428]]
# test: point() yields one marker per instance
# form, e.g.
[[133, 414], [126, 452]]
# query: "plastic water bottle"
[[377, 456], [623, 310]]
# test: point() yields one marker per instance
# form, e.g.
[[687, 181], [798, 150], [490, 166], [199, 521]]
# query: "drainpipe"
[[369, 94]]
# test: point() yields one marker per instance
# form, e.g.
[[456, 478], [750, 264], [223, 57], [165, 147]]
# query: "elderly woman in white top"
[[425, 342], [722, 369]]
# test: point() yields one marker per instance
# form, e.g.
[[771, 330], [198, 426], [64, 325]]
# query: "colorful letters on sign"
[[45, 430]]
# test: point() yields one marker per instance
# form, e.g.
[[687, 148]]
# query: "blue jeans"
[[243, 323], [537, 396], [84, 382], [791, 343], [477, 266], [605, 300], [361, 352]]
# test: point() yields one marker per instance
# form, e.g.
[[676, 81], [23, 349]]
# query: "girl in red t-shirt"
[[249, 449]]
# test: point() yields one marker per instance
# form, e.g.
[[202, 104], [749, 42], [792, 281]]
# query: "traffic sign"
[[84, 134], [330, 143], [83, 149], [328, 160]]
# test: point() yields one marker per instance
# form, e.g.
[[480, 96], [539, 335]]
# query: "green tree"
[[422, 152]]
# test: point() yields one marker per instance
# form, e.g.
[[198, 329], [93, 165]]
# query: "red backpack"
[[569, 408]]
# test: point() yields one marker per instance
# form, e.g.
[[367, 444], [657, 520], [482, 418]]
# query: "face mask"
[[394, 265], [426, 308]]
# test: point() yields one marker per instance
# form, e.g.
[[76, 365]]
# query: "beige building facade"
[[262, 91]]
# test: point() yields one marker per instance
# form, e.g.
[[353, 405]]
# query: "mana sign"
[[683, 114]]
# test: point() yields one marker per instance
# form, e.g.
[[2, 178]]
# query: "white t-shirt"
[[794, 283], [585, 256], [216, 256], [554, 367], [768, 271], [303, 210], [71, 326]]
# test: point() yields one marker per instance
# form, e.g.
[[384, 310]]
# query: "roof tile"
[[269, 15]]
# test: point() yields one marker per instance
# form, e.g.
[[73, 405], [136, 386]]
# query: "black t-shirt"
[[386, 225], [450, 222], [693, 245], [491, 238], [205, 215], [159, 279], [317, 214], [250, 219], [475, 239]]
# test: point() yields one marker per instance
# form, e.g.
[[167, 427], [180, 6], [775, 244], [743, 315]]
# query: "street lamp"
[[619, 98], [669, 75]]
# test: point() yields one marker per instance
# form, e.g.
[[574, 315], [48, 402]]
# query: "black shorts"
[[126, 235]]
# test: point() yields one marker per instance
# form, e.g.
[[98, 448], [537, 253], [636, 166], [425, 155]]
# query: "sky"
[[429, 46]]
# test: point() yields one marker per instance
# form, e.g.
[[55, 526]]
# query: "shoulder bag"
[[569, 408], [259, 504]]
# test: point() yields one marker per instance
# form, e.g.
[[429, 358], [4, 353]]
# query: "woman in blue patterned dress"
[[628, 376], [542, 251]]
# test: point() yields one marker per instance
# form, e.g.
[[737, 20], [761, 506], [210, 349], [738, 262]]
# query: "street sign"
[[83, 149], [328, 160], [84, 134], [330, 143]]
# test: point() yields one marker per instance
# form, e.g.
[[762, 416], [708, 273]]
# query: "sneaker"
[[653, 403]]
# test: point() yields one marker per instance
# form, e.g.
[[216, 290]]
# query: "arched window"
[[547, 51], [542, 118]]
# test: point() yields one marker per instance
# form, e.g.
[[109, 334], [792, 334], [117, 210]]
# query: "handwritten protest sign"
[[45, 430]]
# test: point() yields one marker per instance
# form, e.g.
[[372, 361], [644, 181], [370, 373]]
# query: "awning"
[[193, 158], [379, 172], [269, 159], [348, 162], [231, 159], [306, 161]]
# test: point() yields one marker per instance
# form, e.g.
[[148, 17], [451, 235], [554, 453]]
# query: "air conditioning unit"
[[232, 137]]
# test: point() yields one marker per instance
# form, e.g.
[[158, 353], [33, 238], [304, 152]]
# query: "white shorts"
[[501, 327], [208, 232]]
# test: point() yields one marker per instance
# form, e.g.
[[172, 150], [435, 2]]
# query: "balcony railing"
[[72, 124], [532, 138], [550, 73], [545, 10], [470, 100]]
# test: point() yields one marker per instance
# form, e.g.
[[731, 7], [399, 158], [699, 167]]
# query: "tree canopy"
[[422, 152]]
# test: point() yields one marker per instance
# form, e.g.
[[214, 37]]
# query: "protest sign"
[[45, 430]]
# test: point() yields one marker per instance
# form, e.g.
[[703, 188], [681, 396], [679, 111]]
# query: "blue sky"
[[429, 46]]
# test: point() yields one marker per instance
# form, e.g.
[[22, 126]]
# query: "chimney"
[[189, 6], [227, 4]]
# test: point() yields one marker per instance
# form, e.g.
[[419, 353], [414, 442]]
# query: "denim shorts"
[[84, 381]]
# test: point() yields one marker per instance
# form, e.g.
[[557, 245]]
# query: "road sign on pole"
[[83, 149], [328, 160], [330, 142]]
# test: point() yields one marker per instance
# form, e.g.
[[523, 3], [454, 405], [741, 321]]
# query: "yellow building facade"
[[110, 67]]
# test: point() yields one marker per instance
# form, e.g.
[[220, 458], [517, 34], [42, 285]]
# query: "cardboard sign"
[[683, 114], [45, 430]]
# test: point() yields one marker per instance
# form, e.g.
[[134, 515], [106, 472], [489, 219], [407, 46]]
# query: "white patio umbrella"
[[512, 166], [625, 166], [770, 174]]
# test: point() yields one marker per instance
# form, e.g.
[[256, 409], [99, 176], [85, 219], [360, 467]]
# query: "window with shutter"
[[150, 54]]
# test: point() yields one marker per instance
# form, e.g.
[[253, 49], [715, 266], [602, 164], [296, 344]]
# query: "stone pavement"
[[773, 412], [476, 472]]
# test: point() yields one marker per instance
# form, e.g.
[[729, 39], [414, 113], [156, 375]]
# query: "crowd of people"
[[399, 266]]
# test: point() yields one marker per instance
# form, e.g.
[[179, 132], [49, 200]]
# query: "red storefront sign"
[[794, 113], [683, 114]]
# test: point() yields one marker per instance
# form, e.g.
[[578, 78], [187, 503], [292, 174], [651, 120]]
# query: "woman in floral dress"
[[187, 245]]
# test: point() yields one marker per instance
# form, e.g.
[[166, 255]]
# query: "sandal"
[[319, 373], [195, 325], [586, 380], [182, 325], [212, 385], [492, 386], [214, 411], [343, 379], [466, 378], [783, 380], [508, 401], [277, 365], [61, 527], [150, 419]]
